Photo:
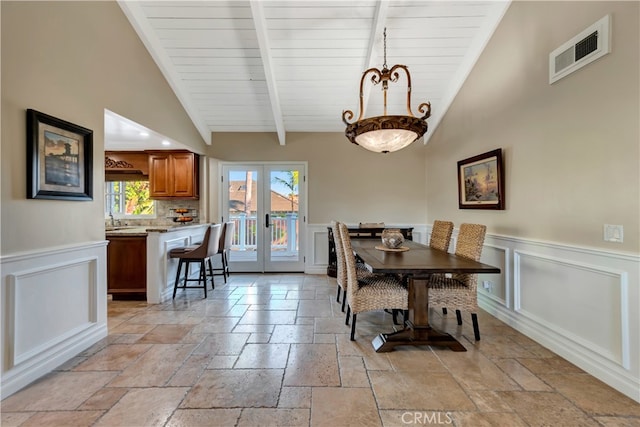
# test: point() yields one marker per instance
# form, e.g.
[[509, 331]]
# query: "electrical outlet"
[[613, 233], [487, 285]]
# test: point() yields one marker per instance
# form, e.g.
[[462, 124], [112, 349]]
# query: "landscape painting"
[[59, 158], [480, 181]]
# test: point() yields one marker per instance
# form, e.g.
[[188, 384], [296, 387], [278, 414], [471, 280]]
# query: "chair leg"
[[344, 298], [203, 277], [353, 327], [213, 279], [338, 296], [394, 312], [175, 286], [459, 317], [223, 261], [444, 310], [476, 329], [346, 319], [405, 316]]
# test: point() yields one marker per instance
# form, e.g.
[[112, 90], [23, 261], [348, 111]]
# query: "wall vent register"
[[591, 44]]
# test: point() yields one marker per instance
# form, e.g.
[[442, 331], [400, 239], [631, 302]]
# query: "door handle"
[[266, 220]]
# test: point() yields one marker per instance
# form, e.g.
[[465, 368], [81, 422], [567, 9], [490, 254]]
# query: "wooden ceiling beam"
[[265, 53]]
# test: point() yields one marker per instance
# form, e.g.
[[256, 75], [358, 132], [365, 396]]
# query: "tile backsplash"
[[163, 215]]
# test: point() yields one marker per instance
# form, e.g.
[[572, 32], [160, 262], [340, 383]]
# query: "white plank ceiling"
[[294, 66]]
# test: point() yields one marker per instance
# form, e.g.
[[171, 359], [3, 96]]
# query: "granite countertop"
[[142, 231]]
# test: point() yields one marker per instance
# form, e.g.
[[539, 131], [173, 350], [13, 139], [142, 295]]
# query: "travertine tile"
[[617, 421], [204, 417], [488, 401], [259, 338], [298, 334], [333, 406], [216, 325], [144, 407], [222, 344], [538, 408], [63, 418], [276, 304], [591, 395], [104, 398], [425, 390], [155, 367], [263, 356], [14, 419], [62, 391], [353, 372], [235, 388], [269, 317], [115, 357], [554, 365], [312, 365], [314, 308], [273, 417], [475, 372], [522, 375], [415, 359], [190, 371], [295, 397]]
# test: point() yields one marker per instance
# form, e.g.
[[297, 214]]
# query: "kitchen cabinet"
[[127, 267], [173, 175]]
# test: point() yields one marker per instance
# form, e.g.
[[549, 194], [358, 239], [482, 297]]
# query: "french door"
[[266, 201]]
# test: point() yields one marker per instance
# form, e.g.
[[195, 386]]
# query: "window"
[[129, 199]]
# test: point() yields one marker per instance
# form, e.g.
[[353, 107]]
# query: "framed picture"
[[59, 159], [481, 181]]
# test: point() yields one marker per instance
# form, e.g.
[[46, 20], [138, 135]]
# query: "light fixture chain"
[[384, 65]]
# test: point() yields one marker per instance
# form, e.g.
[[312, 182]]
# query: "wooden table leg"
[[417, 330]]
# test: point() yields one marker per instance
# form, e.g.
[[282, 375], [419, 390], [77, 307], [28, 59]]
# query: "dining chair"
[[341, 268], [224, 246], [441, 235], [197, 254], [371, 292], [460, 290]]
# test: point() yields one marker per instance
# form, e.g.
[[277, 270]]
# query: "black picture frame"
[[59, 159], [481, 181]]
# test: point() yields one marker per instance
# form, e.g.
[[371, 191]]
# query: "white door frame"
[[263, 263]]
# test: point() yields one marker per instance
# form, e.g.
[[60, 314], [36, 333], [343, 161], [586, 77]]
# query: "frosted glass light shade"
[[386, 140]]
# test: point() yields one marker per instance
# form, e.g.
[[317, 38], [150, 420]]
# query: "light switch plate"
[[613, 233]]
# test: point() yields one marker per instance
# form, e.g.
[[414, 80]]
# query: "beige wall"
[[345, 182], [72, 60], [571, 149]]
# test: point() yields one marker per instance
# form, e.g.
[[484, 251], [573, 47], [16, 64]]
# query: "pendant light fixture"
[[386, 133]]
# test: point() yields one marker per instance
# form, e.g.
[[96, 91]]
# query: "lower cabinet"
[[127, 267]]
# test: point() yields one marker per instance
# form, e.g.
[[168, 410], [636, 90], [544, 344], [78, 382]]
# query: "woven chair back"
[[341, 268], [441, 235]]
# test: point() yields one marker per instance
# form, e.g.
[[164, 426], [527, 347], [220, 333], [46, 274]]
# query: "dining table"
[[416, 262]]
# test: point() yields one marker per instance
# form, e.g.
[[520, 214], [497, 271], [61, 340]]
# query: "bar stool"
[[226, 240], [197, 254]]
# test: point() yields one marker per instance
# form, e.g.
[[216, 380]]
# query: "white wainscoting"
[[581, 303], [54, 305]]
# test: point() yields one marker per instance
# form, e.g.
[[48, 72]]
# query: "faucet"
[[113, 222]]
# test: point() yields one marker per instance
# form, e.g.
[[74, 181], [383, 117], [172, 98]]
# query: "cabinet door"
[[160, 175], [182, 166], [127, 267]]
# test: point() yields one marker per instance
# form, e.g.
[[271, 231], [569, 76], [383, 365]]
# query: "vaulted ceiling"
[[294, 66]]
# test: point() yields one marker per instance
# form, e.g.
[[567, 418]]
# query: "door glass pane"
[[243, 206], [283, 202]]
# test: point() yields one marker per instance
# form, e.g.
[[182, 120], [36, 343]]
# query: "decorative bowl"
[[392, 238]]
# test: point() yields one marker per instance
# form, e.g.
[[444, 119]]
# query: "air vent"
[[586, 47]]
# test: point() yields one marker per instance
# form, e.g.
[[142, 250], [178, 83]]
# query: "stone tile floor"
[[273, 350]]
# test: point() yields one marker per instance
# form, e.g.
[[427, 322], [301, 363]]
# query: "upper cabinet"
[[173, 174], [126, 165]]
